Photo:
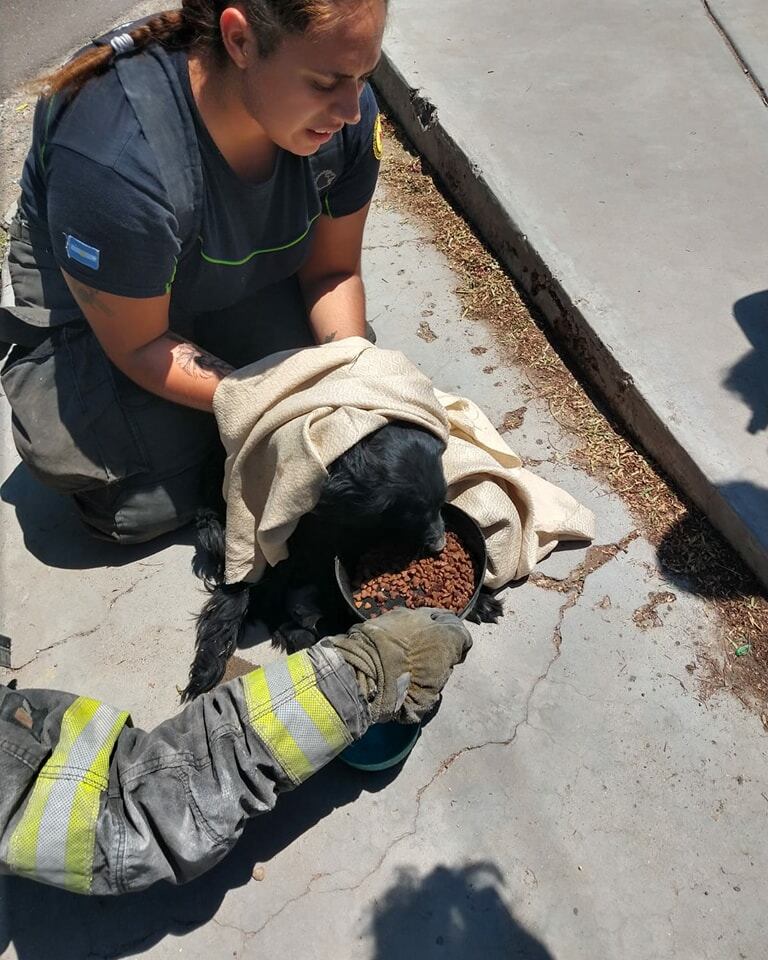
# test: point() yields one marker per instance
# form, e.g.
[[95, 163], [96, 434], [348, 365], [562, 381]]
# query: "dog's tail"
[[219, 627], [208, 561]]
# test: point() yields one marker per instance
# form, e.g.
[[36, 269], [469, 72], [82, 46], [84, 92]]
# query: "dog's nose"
[[436, 537], [438, 545]]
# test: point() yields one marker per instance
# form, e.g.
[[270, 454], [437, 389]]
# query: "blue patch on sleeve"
[[81, 253]]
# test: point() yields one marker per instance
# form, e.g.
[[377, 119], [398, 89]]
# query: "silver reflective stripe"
[[292, 716], [295, 718], [54, 838]]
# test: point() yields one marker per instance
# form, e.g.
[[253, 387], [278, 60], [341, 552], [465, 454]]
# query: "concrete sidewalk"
[[614, 155]]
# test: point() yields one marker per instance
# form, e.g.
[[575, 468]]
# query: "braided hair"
[[196, 26]]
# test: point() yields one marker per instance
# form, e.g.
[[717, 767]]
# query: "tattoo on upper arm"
[[88, 297], [195, 361], [330, 337]]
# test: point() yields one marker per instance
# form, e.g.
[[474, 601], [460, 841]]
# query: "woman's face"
[[310, 86]]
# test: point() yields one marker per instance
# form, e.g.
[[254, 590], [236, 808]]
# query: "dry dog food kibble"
[[386, 577]]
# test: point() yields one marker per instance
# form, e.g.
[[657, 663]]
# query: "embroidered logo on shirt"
[[81, 253], [377, 151], [325, 179]]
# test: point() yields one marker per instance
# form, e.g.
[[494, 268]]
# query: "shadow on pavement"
[[747, 378], [687, 555], [42, 922], [450, 914], [54, 535]]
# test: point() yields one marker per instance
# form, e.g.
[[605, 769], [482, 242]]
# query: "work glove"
[[402, 660]]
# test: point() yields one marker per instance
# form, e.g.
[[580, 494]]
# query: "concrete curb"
[[505, 234]]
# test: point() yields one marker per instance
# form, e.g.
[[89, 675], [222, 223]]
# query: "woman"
[[194, 199]]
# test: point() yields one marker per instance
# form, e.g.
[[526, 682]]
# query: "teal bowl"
[[382, 746]]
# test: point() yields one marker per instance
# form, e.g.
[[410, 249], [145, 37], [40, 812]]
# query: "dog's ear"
[[397, 464], [355, 487]]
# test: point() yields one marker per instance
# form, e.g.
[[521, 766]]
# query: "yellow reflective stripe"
[[54, 839], [292, 717], [22, 848], [271, 730], [81, 832], [318, 709]]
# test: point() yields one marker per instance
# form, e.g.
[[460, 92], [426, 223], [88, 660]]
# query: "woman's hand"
[[135, 336]]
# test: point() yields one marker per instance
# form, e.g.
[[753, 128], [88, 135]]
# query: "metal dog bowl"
[[457, 521]]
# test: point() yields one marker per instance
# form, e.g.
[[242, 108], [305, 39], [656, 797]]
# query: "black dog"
[[391, 481]]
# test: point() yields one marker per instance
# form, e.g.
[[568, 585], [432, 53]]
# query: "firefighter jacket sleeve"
[[91, 804]]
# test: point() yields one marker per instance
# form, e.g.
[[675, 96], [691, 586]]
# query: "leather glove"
[[403, 659]]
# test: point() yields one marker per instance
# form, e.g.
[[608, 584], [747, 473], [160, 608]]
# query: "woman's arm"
[[135, 336], [331, 280]]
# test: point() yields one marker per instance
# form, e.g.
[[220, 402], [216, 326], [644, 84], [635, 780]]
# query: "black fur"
[[487, 608], [391, 481], [208, 561], [219, 628]]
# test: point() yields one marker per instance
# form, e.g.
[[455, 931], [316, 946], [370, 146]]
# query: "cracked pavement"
[[572, 798]]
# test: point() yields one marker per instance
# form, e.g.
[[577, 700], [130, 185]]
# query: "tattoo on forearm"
[[195, 361], [330, 337]]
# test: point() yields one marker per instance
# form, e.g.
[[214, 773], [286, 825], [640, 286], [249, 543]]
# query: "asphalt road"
[[35, 32]]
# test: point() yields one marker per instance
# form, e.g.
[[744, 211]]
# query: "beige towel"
[[284, 419], [522, 516]]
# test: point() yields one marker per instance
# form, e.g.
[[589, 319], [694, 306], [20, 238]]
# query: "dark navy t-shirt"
[[92, 181]]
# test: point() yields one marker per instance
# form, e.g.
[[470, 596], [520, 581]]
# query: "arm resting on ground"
[[91, 804], [171, 802]]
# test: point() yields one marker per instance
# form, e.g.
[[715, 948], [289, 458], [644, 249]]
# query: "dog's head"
[[391, 480]]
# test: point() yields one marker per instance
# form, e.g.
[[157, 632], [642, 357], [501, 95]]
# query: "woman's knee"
[[135, 512]]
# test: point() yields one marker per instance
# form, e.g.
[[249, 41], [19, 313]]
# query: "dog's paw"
[[487, 609], [290, 637]]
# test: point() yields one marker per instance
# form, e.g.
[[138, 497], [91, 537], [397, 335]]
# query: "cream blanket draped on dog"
[[283, 420]]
